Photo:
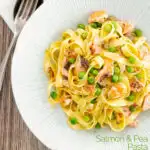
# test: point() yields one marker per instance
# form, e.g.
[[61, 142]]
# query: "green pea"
[[91, 70], [139, 76], [98, 91], [138, 32], [84, 35], [117, 70], [91, 80], [93, 101], [87, 118], [72, 60], [120, 78], [115, 78], [132, 108], [131, 97], [98, 126], [53, 95], [96, 25], [95, 72], [107, 28], [112, 49], [99, 25], [132, 60], [114, 24], [130, 69], [81, 74], [81, 26], [73, 121]]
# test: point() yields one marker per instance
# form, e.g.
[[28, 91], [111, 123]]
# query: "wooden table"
[[14, 134]]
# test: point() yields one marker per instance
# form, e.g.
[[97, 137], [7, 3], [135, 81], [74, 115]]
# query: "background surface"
[[14, 134]]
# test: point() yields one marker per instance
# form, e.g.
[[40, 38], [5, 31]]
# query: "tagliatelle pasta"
[[99, 73]]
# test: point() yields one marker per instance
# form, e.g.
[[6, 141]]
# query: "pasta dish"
[[99, 73]]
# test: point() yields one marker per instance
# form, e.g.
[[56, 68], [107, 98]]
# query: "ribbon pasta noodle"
[[99, 73]]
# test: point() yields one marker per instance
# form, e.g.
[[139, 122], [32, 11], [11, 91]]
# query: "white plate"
[[30, 84]]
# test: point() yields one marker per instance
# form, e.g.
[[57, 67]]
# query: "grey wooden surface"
[[14, 134]]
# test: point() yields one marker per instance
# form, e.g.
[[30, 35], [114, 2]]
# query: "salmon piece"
[[67, 102], [95, 46], [126, 27], [146, 104], [136, 86], [65, 73], [134, 124], [130, 35], [82, 65], [90, 107], [113, 93], [95, 49], [146, 56], [79, 68], [107, 70], [71, 54], [98, 16], [119, 117], [84, 62], [117, 91], [144, 52], [91, 88]]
